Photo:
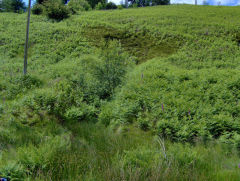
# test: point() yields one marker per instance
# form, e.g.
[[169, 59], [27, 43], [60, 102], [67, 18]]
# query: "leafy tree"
[[1, 6], [111, 5], [141, 3], [93, 3], [13, 5], [37, 9], [161, 2], [100, 6], [42, 1]]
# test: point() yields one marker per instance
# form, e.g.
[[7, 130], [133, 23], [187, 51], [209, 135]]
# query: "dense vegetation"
[[140, 94], [16, 6]]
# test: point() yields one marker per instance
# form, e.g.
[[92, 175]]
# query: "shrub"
[[100, 6], [111, 5], [111, 70], [134, 5], [40, 1], [21, 84], [56, 10], [220, 124], [37, 9], [120, 7], [12, 171], [78, 5], [199, 111], [83, 113], [1, 109], [161, 2]]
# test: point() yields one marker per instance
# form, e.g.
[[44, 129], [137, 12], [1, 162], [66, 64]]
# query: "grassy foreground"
[[139, 94]]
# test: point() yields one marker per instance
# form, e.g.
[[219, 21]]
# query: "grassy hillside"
[[135, 94]]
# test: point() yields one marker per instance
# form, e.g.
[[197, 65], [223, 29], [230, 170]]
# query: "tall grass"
[[98, 153]]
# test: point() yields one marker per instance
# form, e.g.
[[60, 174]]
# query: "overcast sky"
[[211, 2]]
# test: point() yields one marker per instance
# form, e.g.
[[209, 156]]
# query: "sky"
[[210, 2]]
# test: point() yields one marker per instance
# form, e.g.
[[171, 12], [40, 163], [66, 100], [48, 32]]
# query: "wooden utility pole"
[[26, 42]]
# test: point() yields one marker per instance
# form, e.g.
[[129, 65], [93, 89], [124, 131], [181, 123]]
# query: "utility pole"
[[195, 2], [26, 42], [126, 3]]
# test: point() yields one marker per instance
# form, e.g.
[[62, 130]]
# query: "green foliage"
[[20, 84], [111, 5], [112, 69], [140, 158], [94, 3], [56, 10], [40, 1], [17, 6], [120, 7], [100, 6], [32, 159], [76, 6], [80, 113], [161, 2], [180, 105], [37, 9], [184, 88]]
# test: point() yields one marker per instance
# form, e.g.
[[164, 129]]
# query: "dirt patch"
[[141, 46]]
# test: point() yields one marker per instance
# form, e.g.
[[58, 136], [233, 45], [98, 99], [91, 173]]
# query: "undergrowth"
[[139, 94]]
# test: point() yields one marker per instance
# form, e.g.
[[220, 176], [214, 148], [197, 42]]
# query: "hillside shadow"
[[143, 47]]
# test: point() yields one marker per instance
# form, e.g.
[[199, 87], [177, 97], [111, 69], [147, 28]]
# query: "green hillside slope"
[[135, 94]]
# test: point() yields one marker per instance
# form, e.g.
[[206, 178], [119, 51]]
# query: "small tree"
[[94, 3], [111, 5], [42, 1], [55, 9], [161, 2]]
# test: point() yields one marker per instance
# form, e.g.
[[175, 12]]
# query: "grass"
[[135, 94], [98, 153], [140, 46]]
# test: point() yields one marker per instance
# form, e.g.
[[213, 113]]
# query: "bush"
[[120, 7], [111, 5], [78, 5], [40, 1], [12, 171], [56, 10], [161, 2], [180, 105], [111, 70], [21, 84], [134, 5], [37, 9], [83, 113], [100, 6]]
